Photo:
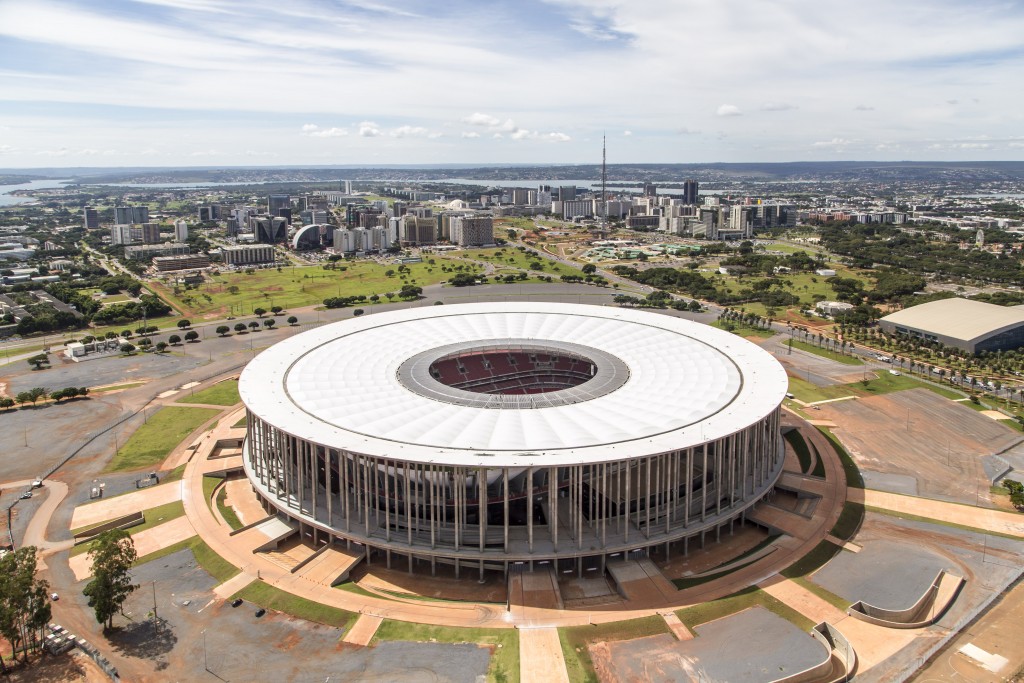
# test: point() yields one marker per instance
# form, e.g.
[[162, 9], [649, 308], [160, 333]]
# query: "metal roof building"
[[961, 323], [481, 435]]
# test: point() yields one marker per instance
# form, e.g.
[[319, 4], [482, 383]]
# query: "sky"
[[315, 82]]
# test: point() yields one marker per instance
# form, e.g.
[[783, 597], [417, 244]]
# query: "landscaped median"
[[576, 641], [504, 643]]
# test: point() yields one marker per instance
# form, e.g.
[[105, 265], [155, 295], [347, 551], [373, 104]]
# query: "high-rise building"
[[650, 190], [567, 193], [90, 218], [690, 191], [150, 233], [180, 231], [124, 215], [276, 202], [245, 255], [419, 230], [269, 229], [472, 231]]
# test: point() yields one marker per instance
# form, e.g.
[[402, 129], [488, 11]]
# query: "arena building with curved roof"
[[489, 435]]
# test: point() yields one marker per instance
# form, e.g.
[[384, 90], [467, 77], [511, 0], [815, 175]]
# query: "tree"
[[145, 343], [36, 393], [254, 325], [24, 604], [38, 360], [260, 312], [161, 347], [127, 348], [357, 312], [269, 323], [292, 320], [222, 330], [182, 324], [589, 269], [191, 336], [239, 327], [174, 340], [6, 402], [23, 397], [112, 555], [276, 310], [127, 334]]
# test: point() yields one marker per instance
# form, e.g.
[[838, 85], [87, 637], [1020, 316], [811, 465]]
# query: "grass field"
[[824, 353], [737, 602], [214, 565], [576, 639], [881, 383], [510, 257], [504, 664], [228, 512], [291, 287], [744, 330], [803, 454], [221, 394], [268, 596], [850, 469], [153, 441]]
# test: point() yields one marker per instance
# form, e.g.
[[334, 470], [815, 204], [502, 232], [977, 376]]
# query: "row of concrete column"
[[435, 509]]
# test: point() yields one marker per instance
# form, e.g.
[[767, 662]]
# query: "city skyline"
[[211, 82]]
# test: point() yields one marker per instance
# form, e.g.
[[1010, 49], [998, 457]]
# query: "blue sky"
[[255, 82]]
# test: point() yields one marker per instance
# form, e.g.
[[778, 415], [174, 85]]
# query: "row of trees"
[[35, 394]]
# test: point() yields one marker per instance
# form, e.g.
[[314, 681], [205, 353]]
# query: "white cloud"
[[479, 119], [7, 149], [409, 131], [368, 129], [558, 137], [728, 110], [687, 131], [863, 107], [777, 106], [470, 134], [627, 133], [328, 133], [310, 127], [834, 142]]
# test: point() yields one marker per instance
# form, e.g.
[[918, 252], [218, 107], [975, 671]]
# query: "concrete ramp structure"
[[926, 611], [840, 664]]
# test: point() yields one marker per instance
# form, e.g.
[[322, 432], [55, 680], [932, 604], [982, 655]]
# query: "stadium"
[[489, 436]]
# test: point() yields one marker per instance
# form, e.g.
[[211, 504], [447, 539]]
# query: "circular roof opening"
[[513, 373]]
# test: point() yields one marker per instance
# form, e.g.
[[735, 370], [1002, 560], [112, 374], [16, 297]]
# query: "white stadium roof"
[[339, 385]]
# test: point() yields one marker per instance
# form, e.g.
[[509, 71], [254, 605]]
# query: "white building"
[[180, 231]]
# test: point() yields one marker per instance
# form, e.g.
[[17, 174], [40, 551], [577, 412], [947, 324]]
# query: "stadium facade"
[[486, 436]]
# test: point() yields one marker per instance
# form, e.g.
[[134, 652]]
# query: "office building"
[[248, 254]]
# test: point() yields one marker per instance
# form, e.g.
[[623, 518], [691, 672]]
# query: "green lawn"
[[824, 353], [743, 330], [510, 257], [803, 454], [737, 602], [849, 520], [810, 393], [228, 512], [239, 293], [155, 439], [154, 517], [850, 469], [504, 664], [241, 423], [221, 394], [268, 596], [214, 565], [876, 384], [576, 639]]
